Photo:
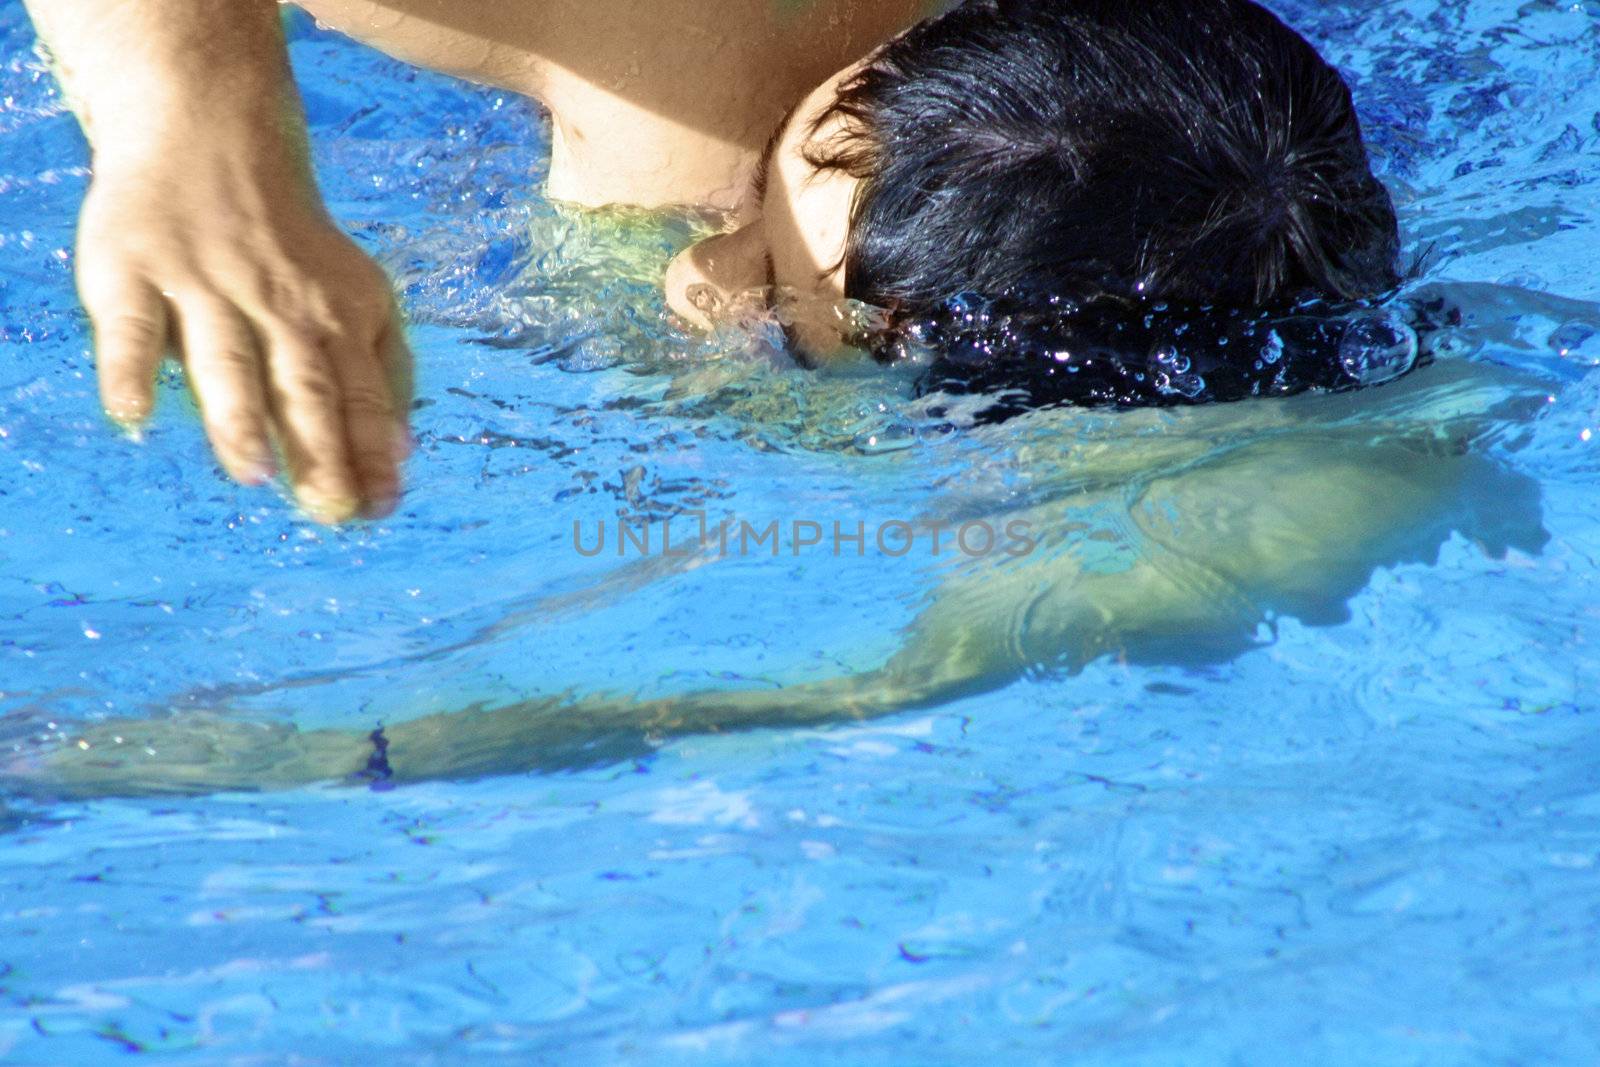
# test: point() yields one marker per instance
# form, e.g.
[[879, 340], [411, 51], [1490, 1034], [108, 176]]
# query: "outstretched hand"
[[288, 333]]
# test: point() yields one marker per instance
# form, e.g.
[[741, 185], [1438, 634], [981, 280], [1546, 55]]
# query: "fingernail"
[[123, 409], [129, 423], [257, 471], [329, 510]]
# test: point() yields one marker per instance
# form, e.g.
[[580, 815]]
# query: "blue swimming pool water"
[[1369, 835]]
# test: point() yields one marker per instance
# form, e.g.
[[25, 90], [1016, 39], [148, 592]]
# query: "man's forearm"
[[136, 71], [202, 234]]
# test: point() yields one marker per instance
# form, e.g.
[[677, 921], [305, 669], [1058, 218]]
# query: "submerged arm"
[[1291, 525], [203, 232]]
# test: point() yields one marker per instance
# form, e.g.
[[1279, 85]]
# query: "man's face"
[[791, 237]]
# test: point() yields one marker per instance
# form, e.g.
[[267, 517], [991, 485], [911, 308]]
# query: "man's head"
[[1196, 151]]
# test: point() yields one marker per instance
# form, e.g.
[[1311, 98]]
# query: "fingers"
[[329, 398], [130, 340], [397, 367], [308, 411], [371, 430], [309, 352], [336, 422], [224, 366]]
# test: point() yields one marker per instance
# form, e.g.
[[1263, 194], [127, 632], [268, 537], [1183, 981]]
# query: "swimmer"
[[1192, 150]]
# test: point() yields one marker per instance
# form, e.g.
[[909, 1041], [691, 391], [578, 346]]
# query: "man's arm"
[[203, 233], [1290, 523]]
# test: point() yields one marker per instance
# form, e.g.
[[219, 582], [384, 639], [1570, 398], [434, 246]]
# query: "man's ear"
[[703, 279]]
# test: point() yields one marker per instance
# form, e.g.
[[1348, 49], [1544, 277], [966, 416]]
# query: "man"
[[1188, 150]]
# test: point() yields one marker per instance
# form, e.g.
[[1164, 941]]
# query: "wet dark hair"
[[1172, 153]]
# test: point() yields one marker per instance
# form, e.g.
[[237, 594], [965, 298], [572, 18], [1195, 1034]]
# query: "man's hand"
[[285, 329], [203, 236]]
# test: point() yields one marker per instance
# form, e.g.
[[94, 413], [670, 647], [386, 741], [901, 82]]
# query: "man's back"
[[654, 103]]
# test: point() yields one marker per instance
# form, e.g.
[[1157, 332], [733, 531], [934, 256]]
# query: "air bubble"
[[1186, 385], [1377, 349], [1171, 359], [1577, 340], [1272, 350]]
